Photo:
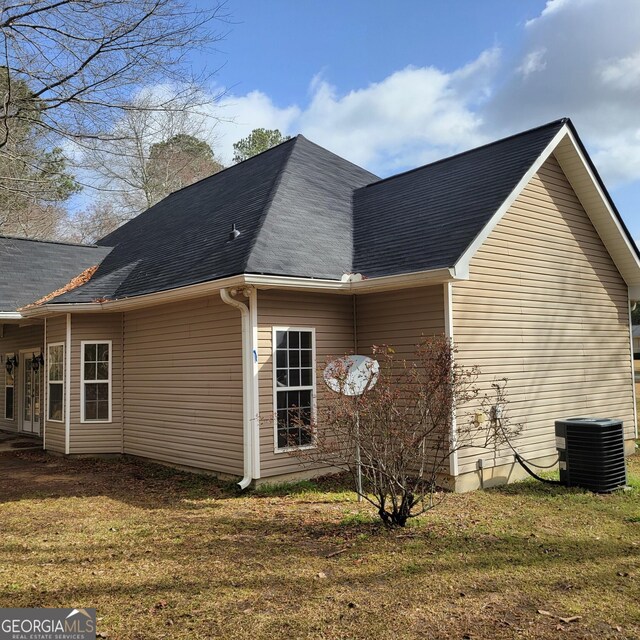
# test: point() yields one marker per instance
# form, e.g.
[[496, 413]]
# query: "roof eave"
[[597, 203], [10, 315], [352, 285]]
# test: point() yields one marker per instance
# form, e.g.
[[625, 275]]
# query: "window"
[[8, 390], [96, 381], [55, 380], [294, 384]]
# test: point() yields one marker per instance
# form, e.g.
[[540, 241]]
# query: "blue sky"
[[392, 85]]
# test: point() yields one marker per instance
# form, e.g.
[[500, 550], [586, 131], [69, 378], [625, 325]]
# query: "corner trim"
[[448, 331], [462, 265], [67, 388]]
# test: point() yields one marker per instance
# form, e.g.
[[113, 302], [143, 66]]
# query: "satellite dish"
[[351, 375]]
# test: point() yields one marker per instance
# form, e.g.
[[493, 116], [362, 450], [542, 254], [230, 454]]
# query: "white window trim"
[[276, 388], [62, 382], [83, 420], [13, 386]]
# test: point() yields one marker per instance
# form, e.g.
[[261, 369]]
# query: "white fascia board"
[[10, 315], [385, 283], [631, 279], [462, 265]]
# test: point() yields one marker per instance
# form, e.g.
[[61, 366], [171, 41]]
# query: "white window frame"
[[84, 420], [61, 382], [6, 386], [276, 388]]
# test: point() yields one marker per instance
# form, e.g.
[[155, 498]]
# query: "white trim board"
[[575, 166]]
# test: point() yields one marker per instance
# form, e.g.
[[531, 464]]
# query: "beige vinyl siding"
[[55, 431], [183, 385], [15, 338], [546, 307], [332, 318], [96, 437], [399, 319]]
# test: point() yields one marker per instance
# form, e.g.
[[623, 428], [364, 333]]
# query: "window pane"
[[294, 339], [103, 352], [8, 407], [282, 378], [294, 378], [305, 339], [281, 358], [90, 352], [103, 392], [305, 399], [281, 339], [306, 379], [103, 410], [55, 401], [294, 358], [55, 362], [90, 391], [305, 358], [90, 410], [89, 370], [103, 371]]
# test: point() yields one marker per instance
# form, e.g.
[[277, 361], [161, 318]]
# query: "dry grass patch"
[[165, 554]]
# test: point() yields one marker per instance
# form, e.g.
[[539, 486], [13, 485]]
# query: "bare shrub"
[[398, 434]]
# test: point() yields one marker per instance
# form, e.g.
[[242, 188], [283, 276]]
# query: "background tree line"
[[99, 97]]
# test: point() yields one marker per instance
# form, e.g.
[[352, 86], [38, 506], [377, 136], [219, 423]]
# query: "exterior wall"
[[183, 385], [399, 319], [15, 338], [54, 439], [546, 307], [96, 437], [332, 318]]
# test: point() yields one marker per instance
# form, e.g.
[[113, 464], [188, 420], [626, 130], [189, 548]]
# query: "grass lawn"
[[165, 554]]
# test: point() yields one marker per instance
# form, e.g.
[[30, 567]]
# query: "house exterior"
[[636, 340], [189, 333]]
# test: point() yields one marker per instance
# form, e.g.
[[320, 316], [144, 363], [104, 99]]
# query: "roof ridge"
[[235, 164], [564, 120], [272, 194], [42, 241]]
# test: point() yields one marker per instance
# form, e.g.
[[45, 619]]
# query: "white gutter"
[[350, 284], [248, 413], [10, 315]]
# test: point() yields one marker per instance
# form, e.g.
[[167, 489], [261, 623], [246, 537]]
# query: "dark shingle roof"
[[303, 211], [32, 268], [426, 218], [291, 204]]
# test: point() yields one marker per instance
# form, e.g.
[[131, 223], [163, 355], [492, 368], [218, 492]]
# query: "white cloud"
[[578, 58], [533, 61], [410, 117], [591, 73], [239, 115], [622, 73]]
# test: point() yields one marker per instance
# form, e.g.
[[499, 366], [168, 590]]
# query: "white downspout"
[[255, 386], [247, 379], [448, 331]]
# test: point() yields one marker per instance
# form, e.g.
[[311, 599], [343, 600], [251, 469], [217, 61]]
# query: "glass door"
[[31, 397]]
